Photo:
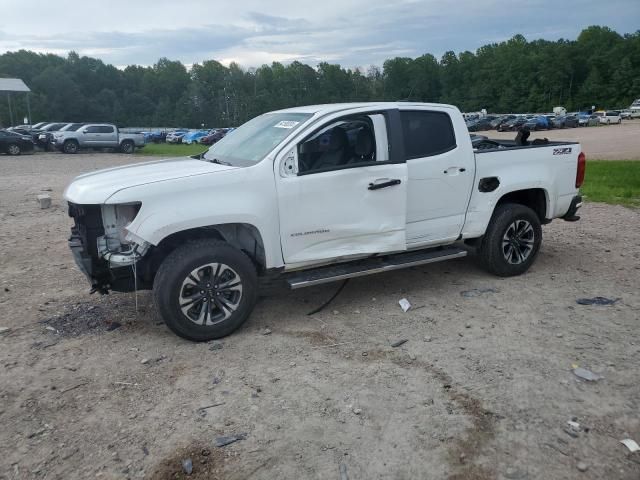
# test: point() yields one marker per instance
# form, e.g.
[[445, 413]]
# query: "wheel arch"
[[244, 236], [537, 199]]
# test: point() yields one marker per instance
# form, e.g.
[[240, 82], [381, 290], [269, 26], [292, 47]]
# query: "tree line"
[[600, 67]]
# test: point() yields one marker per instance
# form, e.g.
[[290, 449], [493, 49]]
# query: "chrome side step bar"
[[370, 266]]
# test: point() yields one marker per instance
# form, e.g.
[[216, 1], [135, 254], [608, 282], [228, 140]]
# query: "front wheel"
[[14, 149], [512, 240], [70, 146], [205, 290]]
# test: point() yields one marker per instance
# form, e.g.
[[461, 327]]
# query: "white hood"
[[97, 187]]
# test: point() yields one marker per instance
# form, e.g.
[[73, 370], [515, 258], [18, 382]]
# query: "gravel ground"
[[605, 142], [92, 386]]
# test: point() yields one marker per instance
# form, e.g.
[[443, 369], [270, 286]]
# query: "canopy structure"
[[12, 85]]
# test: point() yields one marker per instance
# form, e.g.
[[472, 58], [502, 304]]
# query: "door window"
[[426, 133], [352, 141]]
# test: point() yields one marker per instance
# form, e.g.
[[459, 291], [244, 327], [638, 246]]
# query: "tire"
[[189, 271], [70, 146], [14, 149], [511, 222], [128, 147]]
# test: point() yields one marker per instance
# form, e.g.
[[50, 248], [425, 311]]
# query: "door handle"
[[385, 184]]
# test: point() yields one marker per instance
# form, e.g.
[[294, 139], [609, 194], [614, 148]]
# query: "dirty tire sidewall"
[[174, 270], [490, 252]]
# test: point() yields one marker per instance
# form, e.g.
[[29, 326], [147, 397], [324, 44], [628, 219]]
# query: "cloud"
[[253, 32]]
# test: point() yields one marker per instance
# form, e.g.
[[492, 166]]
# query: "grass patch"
[[171, 149], [613, 181]]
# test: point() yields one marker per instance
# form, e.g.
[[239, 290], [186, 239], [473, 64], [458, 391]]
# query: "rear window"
[[613, 114], [426, 133]]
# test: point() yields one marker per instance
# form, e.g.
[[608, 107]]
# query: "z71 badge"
[[562, 151]]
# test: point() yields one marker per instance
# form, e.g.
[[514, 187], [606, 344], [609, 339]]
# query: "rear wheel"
[[205, 289], [127, 146], [512, 240], [14, 149]]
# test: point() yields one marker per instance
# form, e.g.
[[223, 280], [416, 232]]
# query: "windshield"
[[251, 142]]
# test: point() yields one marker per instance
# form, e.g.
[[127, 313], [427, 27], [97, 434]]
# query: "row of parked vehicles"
[[505, 123], [188, 137], [68, 137]]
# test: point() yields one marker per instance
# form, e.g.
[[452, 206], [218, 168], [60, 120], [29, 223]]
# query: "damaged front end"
[[104, 250]]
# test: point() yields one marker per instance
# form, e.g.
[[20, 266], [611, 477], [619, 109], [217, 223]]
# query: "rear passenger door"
[[441, 170]]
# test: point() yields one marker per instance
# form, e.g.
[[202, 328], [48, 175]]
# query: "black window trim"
[[439, 152], [394, 140]]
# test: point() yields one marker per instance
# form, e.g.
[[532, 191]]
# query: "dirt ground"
[[91, 387], [605, 142]]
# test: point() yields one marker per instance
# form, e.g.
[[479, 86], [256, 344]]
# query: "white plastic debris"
[[404, 304], [585, 374], [574, 425], [630, 444]]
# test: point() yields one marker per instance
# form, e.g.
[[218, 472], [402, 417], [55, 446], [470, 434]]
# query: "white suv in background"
[[610, 116]]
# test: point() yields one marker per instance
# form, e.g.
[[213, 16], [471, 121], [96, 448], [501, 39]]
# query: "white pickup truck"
[[315, 194]]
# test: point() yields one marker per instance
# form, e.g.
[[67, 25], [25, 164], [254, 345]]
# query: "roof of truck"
[[337, 107]]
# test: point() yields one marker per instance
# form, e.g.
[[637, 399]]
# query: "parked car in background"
[[587, 120], [512, 124], [537, 123], [625, 114], [14, 143], [611, 116], [155, 137], [194, 137], [496, 122], [176, 136], [480, 124], [44, 137], [98, 135], [214, 136], [565, 121]]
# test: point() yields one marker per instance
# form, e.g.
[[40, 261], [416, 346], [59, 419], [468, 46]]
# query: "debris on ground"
[[404, 304], [343, 472], [630, 444], [144, 361], [585, 374], [111, 326], [44, 200], [476, 292], [228, 440], [215, 346], [82, 318], [4, 330], [266, 331], [597, 301], [356, 410], [583, 467], [187, 466], [573, 425], [397, 343]]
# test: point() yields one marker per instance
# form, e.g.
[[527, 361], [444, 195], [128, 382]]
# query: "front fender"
[[242, 195]]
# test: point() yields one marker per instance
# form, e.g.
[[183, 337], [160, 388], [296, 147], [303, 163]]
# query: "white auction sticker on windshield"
[[286, 124]]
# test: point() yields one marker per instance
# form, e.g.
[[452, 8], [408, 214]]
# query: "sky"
[[353, 33]]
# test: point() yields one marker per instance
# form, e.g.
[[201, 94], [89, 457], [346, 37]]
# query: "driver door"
[[342, 191]]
